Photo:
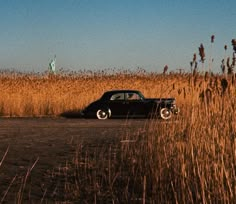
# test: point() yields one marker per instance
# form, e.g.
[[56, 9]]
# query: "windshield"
[[141, 95]]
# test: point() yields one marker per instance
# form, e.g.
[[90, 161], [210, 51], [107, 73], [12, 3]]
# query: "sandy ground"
[[44, 144]]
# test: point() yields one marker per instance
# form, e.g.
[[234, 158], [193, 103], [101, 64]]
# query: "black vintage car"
[[130, 103]]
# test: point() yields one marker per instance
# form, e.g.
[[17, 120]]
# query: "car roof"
[[107, 94], [122, 91]]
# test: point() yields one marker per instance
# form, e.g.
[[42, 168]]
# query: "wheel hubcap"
[[102, 114], [165, 113]]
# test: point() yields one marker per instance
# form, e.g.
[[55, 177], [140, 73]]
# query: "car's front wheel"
[[102, 114], [165, 113]]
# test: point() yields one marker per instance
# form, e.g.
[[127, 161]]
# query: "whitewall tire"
[[165, 113]]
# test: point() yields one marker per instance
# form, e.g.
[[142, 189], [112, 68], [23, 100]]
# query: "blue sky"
[[122, 34]]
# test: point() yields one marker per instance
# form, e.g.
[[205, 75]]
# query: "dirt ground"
[[39, 145]]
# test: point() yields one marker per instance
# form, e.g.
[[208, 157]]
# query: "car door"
[[135, 104], [118, 105]]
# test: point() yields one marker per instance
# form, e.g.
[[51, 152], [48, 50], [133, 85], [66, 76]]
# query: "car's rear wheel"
[[165, 113], [102, 114]]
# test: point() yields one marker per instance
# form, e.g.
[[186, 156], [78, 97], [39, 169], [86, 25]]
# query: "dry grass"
[[37, 95], [191, 160]]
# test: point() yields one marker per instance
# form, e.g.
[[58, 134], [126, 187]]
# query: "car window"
[[132, 96], [117, 96]]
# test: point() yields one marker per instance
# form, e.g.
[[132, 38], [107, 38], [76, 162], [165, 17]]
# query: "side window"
[[117, 96], [132, 96]]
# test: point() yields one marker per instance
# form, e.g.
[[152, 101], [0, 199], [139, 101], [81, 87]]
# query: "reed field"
[[32, 94], [191, 159]]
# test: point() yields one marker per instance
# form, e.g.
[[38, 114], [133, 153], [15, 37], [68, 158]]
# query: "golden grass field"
[[192, 160], [40, 95]]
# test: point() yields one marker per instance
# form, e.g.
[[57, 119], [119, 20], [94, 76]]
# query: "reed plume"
[[234, 44], [202, 52], [212, 38]]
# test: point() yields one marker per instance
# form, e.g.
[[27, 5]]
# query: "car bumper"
[[175, 110]]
